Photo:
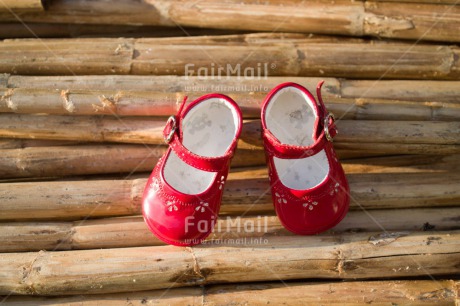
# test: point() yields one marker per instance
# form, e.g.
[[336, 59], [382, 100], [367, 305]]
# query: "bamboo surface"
[[405, 90], [393, 20], [11, 143], [92, 159], [132, 231], [6, 6], [81, 120], [148, 103], [340, 256], [143, 130], [42, 159], [257, 54], [246, 192], [66, 30], [413, 292]]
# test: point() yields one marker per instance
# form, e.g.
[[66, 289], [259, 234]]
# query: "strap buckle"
[[328, 117], [172, 123]]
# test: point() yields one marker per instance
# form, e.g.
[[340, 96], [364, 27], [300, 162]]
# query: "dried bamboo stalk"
[[21, 6], [402, 292], [419, 90], [379, 149], [439, 91], [383, 19], [50, 30], [45, 159], [106, 233], [288, 54], [174, 297], [343, 256], [245, 192], [419, 1], [6, 143], [97, 12], [77, 160], [149, 131], [357, 18], [418, 21], [345, 293], [172, 84], [367, 131], [148, 103], [61, 161], [403, 163]]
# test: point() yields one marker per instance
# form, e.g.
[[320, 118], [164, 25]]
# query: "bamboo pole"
[[11, 143], [358, 18], [148, 103], [383, 19], [21, 6], [440, 91], [420, 1], [92, 159], [379, 149], [97, 12], [56, 160], [172, 84], [66, 30], [78, 160], [402, 292], [367, 131], [403, 163], [405, 90], [252, 158], [343, 256], [253, 55], [174, 297], [149, 131], [106, 233], [418, 21], [245, 192], [345, 293]]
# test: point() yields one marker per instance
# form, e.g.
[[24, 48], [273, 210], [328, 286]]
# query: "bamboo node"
[[7, 98], [340, 263], [67, 102], [121, 47], [386, 238], [107, 103], [196, 266], [361, 102], [385, 26], [28, 270]]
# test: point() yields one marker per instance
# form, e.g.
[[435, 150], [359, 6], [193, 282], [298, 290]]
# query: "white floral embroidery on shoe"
[[154, 185], [335, 189], [310, 204], [202, 206], [280, 198], [171, 206], [221, 182]]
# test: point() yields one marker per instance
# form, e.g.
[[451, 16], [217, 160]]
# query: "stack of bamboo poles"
[[80, 130]]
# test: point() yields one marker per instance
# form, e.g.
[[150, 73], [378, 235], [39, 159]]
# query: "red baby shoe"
[[309, 189], [182, 197]]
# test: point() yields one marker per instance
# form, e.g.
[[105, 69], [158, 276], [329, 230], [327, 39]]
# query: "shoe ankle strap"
[[286, 151], [171, 135], [324, 123], [210, 164]]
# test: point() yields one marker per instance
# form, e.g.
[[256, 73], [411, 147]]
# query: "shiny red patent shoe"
[[182, 197], [309, 189]]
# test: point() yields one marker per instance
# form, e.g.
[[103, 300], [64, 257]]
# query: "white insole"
[[208, 130], [290, 117]]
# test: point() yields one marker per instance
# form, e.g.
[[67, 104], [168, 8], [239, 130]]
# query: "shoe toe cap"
[[176, 224]]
